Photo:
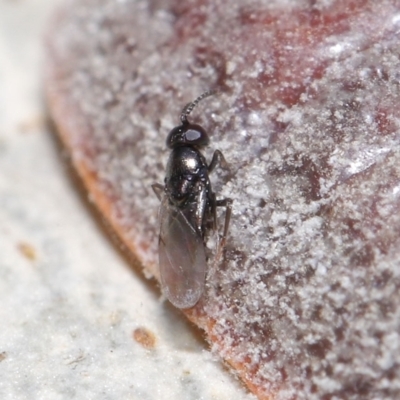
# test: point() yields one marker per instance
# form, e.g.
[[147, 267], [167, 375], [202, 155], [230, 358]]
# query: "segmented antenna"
[[189, 107]]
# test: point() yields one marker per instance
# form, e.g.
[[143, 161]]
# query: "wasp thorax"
[[187, 135]]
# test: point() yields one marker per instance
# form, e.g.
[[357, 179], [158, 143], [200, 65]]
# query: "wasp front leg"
[[158, 189], [217, 158]]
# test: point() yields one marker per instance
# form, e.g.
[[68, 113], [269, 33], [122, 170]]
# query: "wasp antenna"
[[190, 106]]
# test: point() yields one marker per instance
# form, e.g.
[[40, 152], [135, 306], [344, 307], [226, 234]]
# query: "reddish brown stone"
[[305, 302]]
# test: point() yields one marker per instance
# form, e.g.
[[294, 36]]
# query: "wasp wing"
[[182, 257]]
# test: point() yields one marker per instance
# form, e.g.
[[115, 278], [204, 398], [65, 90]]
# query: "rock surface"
[[77, 322], [304, 303]]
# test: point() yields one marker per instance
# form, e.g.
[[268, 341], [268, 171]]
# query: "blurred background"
[[77, 322]]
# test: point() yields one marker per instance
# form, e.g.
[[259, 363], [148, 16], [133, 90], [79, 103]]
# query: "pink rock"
[[305, 302]]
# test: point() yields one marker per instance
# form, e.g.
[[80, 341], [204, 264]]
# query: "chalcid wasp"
[[187, 211]]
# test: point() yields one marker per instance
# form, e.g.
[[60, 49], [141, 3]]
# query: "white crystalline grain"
[[309, 286]]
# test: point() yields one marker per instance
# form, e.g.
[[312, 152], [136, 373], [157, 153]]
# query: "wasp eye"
[[192, 135], [187, 134]]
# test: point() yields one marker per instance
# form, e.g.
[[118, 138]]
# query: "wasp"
[[188, 210]]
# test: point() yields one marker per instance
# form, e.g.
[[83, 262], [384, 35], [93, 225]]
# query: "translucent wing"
[[182, 258]]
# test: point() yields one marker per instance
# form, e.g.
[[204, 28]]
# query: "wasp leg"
[[213, 201], [218, 158], [158, 189], [227, 203]]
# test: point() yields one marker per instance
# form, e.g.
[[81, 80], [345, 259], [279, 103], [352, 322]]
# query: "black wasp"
[[188, 210]]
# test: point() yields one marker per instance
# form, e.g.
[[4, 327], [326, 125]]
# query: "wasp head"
[[187, 134]]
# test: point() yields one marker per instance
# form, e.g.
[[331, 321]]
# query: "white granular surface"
[[308, 118], [69, 303]]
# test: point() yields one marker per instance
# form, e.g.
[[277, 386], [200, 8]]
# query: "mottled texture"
[[76, 321], [305, 302]]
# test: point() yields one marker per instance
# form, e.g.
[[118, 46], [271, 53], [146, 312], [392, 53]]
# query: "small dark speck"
[[339, 333], [320, 348], [262, 203], [3, 356]]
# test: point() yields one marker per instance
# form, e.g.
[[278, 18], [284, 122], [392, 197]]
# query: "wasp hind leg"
[[227, 203]]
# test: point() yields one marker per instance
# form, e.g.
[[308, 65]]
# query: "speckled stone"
[[305, 301], [77, 322]]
